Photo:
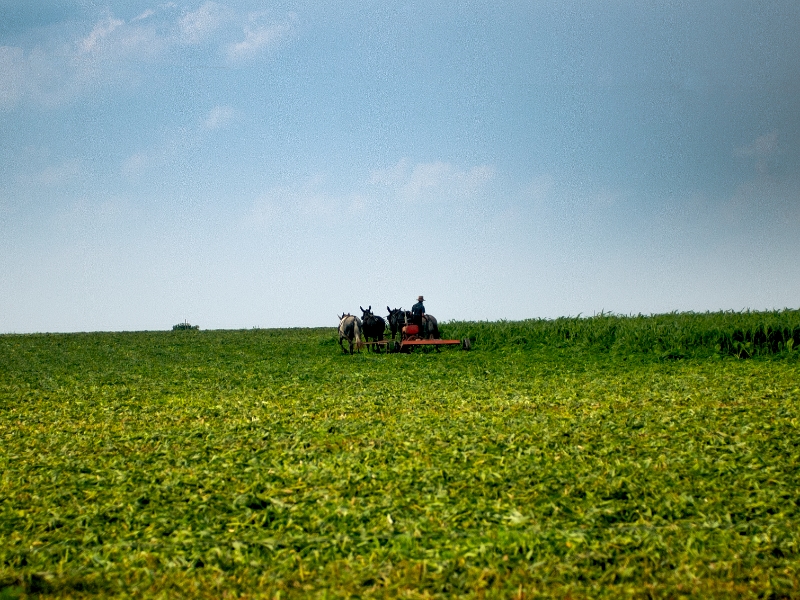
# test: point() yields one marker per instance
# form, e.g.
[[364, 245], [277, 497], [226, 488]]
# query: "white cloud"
[[100, 32], [426, 178], [63, 68], [259, 37], [145, 15], [66, 65], [219, 117], [199, 24]]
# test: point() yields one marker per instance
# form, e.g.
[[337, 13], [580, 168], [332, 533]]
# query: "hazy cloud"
[[54, 175], [218, 117], [394, 175], [765, 207], [538, 189], [44, 76], [307, 199], [763, 149], [263, 213], [12, 80], [135, 164], [765, 145], [434, 181], [312, 202], [314, 199]]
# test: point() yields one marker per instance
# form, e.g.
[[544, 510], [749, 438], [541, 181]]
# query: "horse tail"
[[342, 328]]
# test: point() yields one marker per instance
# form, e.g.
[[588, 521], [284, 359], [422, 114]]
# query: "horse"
[[397, 319], [350, 329], [430, 328], [373, 326]]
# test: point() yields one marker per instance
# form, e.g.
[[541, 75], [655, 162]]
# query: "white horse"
[[350, 329]]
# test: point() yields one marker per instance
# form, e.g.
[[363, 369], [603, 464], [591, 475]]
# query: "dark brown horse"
[[373, 326], [397, 319], [430, 328]]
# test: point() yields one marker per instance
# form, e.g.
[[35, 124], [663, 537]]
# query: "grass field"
[[605, 457]]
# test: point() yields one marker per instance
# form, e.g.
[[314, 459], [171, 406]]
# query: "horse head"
[[396, 319]]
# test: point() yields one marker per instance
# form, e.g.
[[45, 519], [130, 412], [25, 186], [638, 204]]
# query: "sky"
[[274, 164]]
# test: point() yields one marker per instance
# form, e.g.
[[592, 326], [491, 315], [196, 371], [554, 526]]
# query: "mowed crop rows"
[[265, 463]]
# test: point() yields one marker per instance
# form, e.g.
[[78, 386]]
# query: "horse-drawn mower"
[[412, 335], [410, 338], [372, 328]]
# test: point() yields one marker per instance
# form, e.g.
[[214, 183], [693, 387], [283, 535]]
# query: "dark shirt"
[[418, 309]]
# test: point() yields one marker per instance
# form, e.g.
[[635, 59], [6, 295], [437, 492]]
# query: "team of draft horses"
[[371, 328]]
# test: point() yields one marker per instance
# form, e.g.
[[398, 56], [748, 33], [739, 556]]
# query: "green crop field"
[[642, 457]]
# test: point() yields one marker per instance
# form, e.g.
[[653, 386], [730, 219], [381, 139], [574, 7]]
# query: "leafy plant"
[[259, 463], [674, 335]]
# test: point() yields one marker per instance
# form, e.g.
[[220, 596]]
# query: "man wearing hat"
[[417, 312]]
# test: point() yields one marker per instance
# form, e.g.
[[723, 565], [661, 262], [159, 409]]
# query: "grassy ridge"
[[264, 462], [675, 335]]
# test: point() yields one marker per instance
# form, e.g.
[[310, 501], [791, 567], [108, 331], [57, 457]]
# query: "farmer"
[[417, 311]]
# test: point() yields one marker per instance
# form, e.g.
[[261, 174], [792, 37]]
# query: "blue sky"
[[241, 164]]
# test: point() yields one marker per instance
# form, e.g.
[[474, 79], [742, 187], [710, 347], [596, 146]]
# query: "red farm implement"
[[410, 338]]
